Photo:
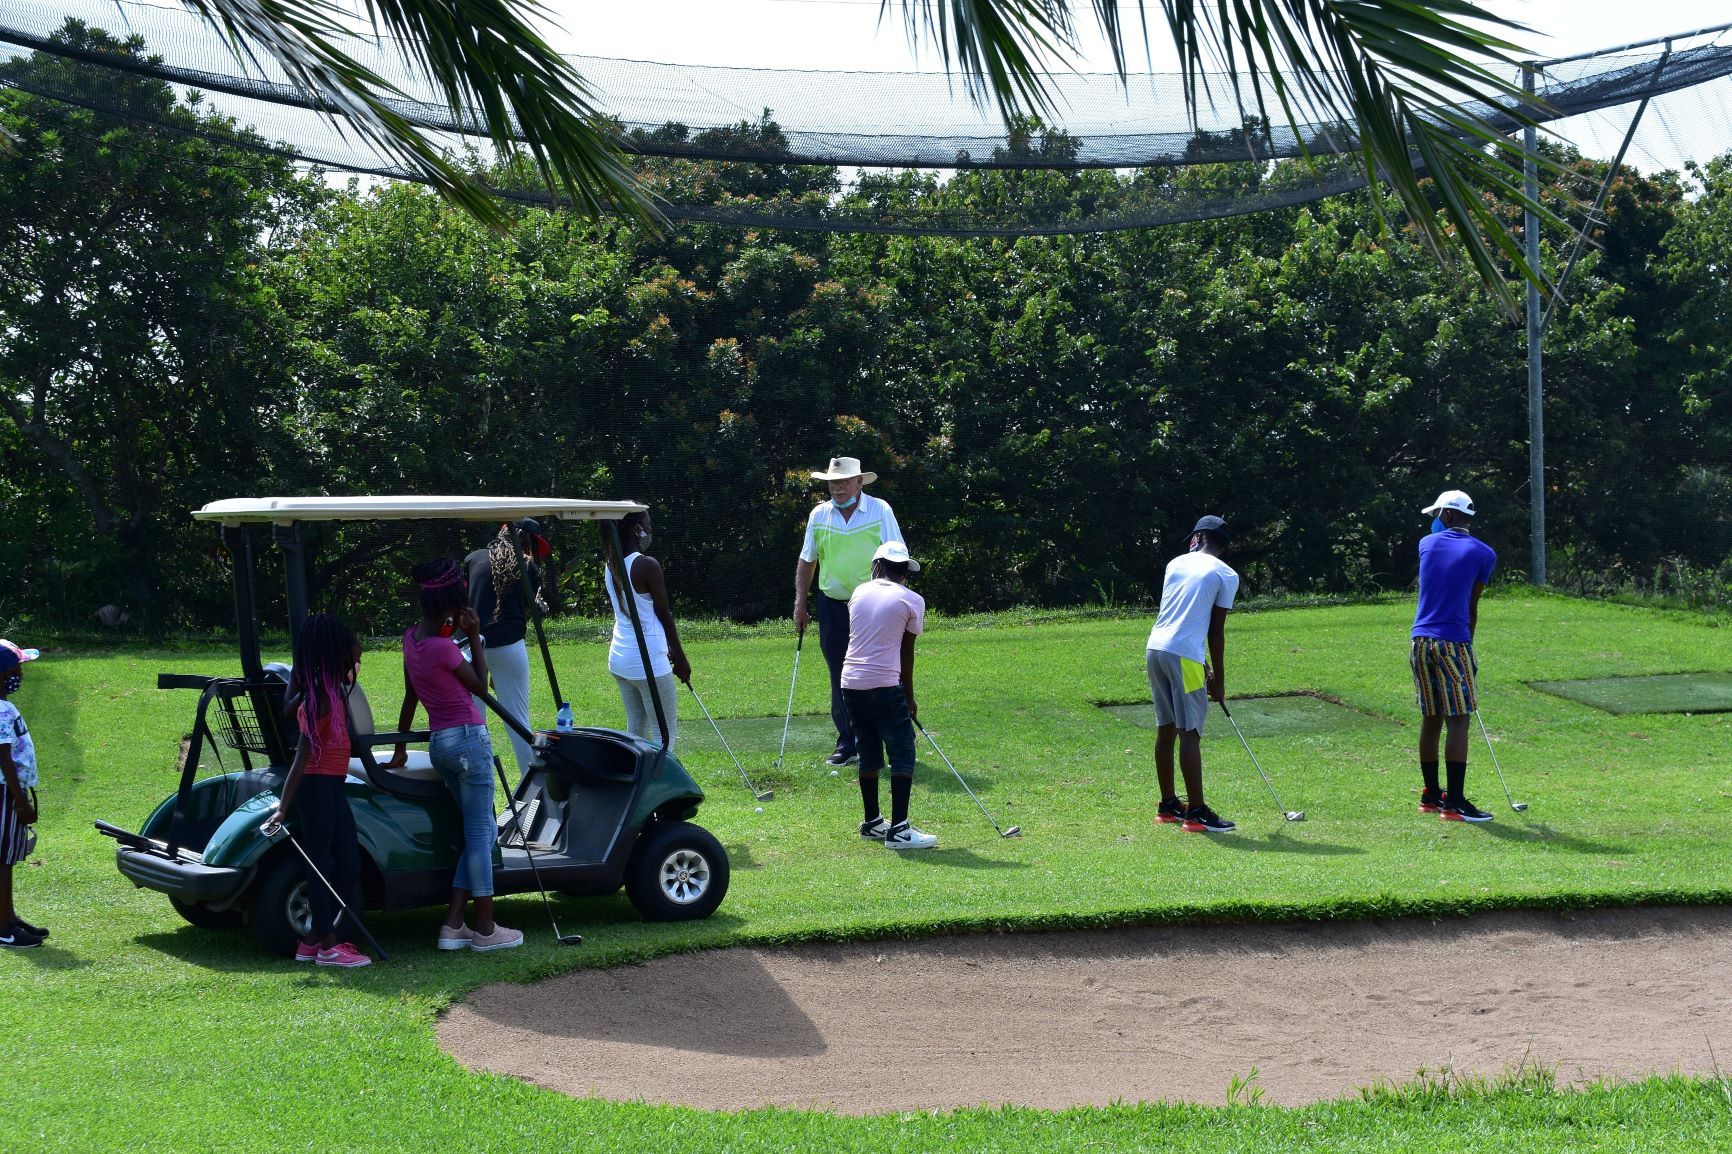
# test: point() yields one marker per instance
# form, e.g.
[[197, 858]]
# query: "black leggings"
[[328, 836]]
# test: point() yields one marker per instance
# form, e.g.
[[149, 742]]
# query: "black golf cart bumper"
[[180, 877]]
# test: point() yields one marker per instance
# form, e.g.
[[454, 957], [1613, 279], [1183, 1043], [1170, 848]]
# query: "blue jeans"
[[882, 725], [463, 755]]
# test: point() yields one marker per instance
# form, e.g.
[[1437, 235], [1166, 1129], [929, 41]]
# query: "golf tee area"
[[1102, 982]]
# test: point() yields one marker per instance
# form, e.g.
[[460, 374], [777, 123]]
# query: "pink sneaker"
[[344, 955], [500, 939], [455, 939], [306, 951]]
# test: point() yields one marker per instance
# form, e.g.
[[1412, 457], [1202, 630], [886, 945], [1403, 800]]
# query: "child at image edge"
[[17, 797]]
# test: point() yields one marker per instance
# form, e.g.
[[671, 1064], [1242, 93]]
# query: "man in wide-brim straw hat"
[[842, 534]]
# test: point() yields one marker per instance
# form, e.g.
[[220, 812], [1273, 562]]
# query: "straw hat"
[[845, 469]]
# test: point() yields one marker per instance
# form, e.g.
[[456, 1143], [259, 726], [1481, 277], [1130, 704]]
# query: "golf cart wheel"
[[677, 873], [205, 918], [279, 909]]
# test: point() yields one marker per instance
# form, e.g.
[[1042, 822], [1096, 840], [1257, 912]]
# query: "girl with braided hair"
[[436, 675], [497, 576], [327, 658]]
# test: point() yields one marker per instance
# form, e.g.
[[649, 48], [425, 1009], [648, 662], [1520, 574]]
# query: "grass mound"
[[1651, 693], [1286, 715]]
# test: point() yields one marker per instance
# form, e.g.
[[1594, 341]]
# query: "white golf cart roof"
[[238, 511]]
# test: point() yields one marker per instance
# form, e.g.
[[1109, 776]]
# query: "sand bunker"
[[1055, 1020]]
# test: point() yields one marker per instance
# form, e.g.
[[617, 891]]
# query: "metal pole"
[[1536, 411]]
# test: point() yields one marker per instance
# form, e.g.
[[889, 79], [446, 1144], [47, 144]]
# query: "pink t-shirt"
[[331, 737], [429, 665], [879, 613]]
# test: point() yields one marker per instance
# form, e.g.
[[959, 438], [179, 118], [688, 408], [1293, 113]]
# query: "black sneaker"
[[17, 937], [1430, 801], [875, 829], [1461, 809], [1202, 819], [842, 758], [1171, 811]]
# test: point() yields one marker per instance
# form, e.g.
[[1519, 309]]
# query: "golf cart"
[[597, 809]]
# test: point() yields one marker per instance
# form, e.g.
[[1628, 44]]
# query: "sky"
[[848, 35]]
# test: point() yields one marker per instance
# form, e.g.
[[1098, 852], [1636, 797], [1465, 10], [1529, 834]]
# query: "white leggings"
[[640, 714], [508, 668]]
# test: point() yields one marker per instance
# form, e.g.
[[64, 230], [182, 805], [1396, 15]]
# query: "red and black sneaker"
[[1171, 811], [1202, 819], [1461, 809], [1431, 801]]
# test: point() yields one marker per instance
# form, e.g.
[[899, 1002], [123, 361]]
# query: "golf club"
[[1518, 806], [1289, 814], [767, 794], [271, 830], [523, 836], [801, 640], [1013, 831]]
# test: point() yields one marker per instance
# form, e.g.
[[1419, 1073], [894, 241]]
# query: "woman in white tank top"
[[668, 664]]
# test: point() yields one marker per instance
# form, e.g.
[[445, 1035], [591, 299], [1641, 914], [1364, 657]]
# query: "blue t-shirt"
[[1451, 563]]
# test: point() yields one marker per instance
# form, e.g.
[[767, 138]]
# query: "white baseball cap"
[[898, 552], [1450, 499]]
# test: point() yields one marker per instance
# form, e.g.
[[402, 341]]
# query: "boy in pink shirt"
[[884, 617]]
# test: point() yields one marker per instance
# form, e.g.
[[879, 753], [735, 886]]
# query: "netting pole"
[[1536, 412]]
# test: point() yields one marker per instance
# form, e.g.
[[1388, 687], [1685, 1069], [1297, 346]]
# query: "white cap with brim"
[[897, 552], [845, 469], [1450, 499]]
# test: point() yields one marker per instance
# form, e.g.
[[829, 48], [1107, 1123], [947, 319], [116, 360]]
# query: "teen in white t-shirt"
[[1186, 662]]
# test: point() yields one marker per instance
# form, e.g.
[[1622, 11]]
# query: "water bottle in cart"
[[564, 722]]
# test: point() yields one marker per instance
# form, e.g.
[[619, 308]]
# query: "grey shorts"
[[1174, 704]]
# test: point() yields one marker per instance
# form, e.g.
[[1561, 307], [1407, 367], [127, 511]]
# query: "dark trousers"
[[833, 640], [328, 835], [882, 727]]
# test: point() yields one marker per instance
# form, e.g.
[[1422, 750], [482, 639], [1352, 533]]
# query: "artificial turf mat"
[[1294, 715], [1655, 693]]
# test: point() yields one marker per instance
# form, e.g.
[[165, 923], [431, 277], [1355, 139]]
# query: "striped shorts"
[[15, 839], [1444, 674]]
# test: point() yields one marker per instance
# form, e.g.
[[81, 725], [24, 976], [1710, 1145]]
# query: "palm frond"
[[494, 70], [1413, 82]]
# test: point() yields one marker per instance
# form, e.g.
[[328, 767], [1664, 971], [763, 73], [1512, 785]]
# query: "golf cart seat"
[[416, 779]]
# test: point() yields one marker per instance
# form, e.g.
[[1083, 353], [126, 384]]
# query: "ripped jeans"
[[463, 755]]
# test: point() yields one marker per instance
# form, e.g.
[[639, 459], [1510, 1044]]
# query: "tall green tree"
[[135, 334]]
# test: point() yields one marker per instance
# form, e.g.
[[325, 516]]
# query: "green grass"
[[1661, 693], [135, 1030], [1291, 715]]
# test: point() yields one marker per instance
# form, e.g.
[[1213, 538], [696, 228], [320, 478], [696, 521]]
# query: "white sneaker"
[[875, 829], [905, 836]]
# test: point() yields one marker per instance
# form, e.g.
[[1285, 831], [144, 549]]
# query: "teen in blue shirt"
[[1453, 572]]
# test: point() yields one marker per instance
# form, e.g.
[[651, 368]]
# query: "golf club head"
[[1013, 831], [1295, 815], [1518, 806], [571, 939], [767, 795]]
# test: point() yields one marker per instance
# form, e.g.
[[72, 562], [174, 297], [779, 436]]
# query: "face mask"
[[642, 540], [447, 628], [848, 504], [13, 682], [1436, 525]]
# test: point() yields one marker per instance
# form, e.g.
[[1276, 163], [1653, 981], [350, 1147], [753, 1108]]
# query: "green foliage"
[[1047, 414], [137, 338]]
